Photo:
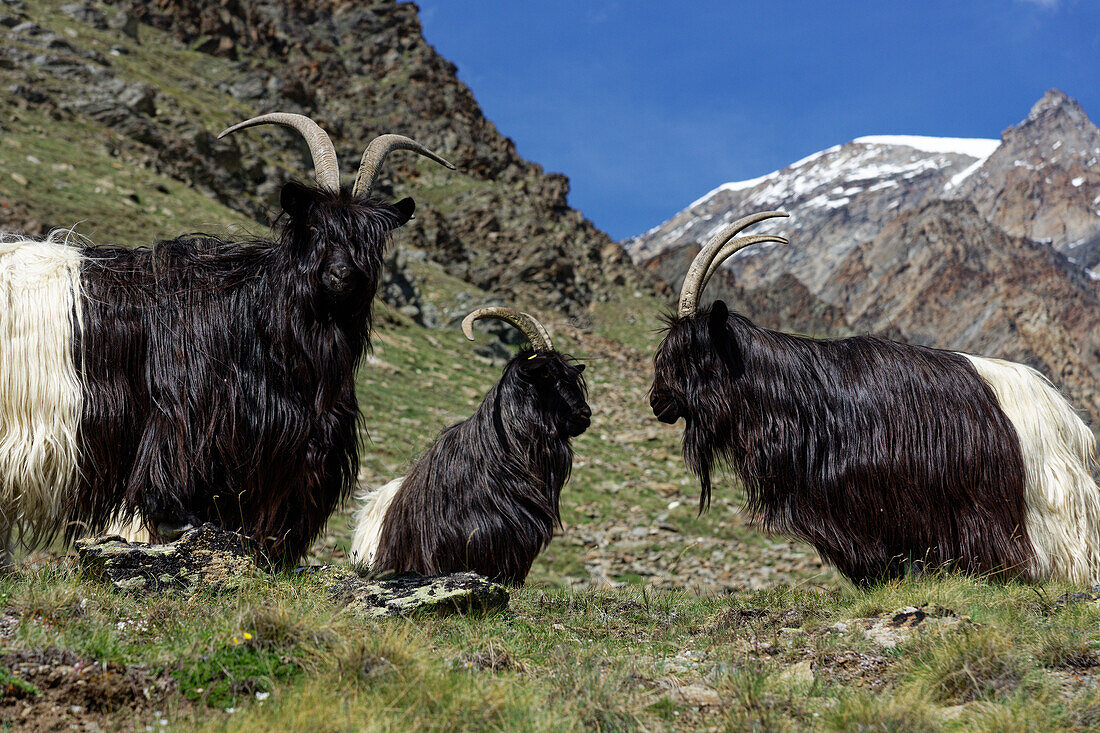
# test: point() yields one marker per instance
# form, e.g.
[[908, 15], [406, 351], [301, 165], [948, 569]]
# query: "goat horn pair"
[[530, 327], [325, 166], [718, 250]]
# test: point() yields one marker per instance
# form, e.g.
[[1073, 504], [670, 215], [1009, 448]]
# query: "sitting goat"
[[485, 496], [880, 454], [197, 380]]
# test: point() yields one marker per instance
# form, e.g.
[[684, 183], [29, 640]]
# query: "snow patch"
[[964, 174], [753, 182], [1076, 182], [972, 146], [734, 186]]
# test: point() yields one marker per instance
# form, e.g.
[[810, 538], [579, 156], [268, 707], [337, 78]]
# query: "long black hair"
[[219, 376], [485, 496]]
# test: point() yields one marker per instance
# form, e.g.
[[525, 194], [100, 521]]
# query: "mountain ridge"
[[878, 205]]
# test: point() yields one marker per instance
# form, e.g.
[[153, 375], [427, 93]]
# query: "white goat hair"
[[40, 392], [1063, 500], [373, 506]]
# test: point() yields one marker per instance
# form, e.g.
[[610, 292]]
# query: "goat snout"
[[665, 409]]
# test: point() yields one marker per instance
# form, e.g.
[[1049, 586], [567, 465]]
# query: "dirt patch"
[[853, 668], [491, 659], [763, 619], [53, 689]]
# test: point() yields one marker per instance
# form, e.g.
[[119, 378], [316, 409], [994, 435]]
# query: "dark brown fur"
[[220, 376], [485, 495], [879, 454]]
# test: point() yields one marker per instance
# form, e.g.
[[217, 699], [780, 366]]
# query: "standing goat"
[[881, 455], [485, 495], [198, 379]]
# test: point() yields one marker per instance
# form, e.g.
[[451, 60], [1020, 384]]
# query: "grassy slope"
[[641, 615], [569, 659]]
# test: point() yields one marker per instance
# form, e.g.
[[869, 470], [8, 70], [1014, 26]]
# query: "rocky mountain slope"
[[981, 245], [150, 82], [836, 198], [1043, 181], [110, 127]]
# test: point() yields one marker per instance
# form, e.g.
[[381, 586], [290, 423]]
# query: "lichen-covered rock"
[[892, 629], [410, 594], [203, 557]]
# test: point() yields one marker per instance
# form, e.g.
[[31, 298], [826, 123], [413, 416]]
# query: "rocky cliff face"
[[836, 199], [983, 246], [944, 276], [364, 69], [360, 69], [1043, 182]]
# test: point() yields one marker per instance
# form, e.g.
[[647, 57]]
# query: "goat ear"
[[719, 315], [535, 365], [405, 208], [724, 343], [295, 198]]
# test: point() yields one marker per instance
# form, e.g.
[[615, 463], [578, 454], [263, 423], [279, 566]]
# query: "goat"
[[882, 455], [198, 379], [484, 497]]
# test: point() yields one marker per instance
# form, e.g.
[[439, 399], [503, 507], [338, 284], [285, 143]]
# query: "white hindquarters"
[[40, 391], [368, 522], [1063, 500]]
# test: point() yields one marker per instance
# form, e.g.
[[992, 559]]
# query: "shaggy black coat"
[[485, 496], [219, 376], [881, 455]]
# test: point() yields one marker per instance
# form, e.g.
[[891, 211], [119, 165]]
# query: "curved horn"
[[732, 247], [377, 151], [525, 322], [325, 166], [696, 276]]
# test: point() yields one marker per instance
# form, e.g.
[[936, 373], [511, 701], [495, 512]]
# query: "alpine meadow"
[[927, 302]]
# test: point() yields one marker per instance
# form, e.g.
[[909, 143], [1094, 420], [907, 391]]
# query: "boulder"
[[410, 594], [203, 557]]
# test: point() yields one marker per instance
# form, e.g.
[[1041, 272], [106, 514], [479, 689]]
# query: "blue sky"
[[648, 105]]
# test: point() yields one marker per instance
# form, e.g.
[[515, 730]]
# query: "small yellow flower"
[[235, 640], [247, 635]]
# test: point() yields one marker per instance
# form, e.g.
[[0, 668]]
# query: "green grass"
[[561, 659], [10, 685], [98, 196], [641, 615]]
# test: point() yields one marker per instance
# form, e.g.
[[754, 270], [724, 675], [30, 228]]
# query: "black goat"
[[485, 495], [210, 380], [881, 455]]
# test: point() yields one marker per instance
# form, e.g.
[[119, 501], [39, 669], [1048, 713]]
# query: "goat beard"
[[700, 451]]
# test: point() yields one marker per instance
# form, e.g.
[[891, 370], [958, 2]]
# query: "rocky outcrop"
[[1043, 182], [405, 595], [204, 557]]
